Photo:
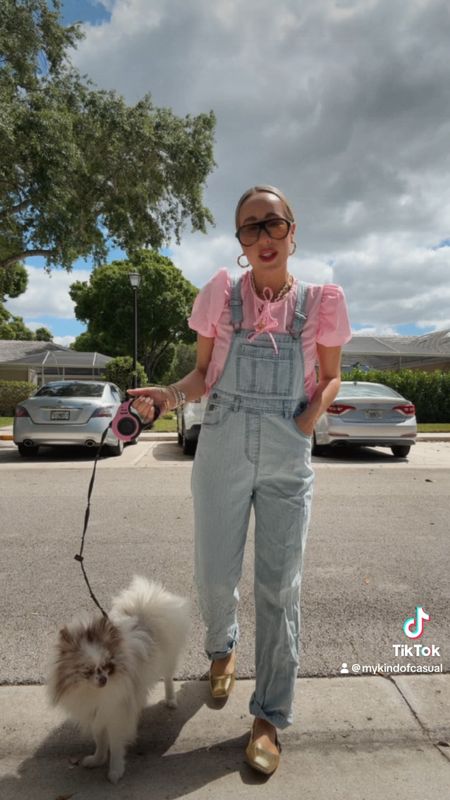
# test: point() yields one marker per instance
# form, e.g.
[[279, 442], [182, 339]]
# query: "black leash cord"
[[79, 557]]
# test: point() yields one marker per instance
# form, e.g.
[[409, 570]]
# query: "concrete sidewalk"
[[354, 738]]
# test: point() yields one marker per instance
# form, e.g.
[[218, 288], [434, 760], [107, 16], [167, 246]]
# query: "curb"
[[357, 709], [148, 437], [436, 437]]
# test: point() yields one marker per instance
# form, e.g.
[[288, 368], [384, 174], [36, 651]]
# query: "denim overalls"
[[250, 451]]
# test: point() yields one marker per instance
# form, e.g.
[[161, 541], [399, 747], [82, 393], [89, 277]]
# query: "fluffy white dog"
[[103, 668]]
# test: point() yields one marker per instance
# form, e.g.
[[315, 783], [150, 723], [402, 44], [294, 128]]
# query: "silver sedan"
[[189, 421], [67, 412], [368, 414]]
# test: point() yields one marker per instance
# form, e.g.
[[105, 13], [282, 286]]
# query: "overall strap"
[[300, 315], [236, 303]]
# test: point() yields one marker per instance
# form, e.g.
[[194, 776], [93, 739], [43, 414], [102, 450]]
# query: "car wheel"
[[115, 449], [318, 449], [401, 450], [189, 446], [180, 438], [28, 451]]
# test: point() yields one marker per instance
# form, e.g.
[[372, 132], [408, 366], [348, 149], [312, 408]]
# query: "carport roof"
[[69, 358], [47, 354], [429, 345], [13, 349]]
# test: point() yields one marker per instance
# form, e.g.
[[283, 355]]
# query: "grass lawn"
[[168, 424], [434, 427]]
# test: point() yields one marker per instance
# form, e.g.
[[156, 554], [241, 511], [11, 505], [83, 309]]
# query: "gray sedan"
[[368, 414], [67, 412]]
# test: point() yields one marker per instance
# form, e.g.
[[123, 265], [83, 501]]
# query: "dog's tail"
[[164, 613]]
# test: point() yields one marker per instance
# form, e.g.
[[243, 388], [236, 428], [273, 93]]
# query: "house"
[[428, 352], [40, 362]]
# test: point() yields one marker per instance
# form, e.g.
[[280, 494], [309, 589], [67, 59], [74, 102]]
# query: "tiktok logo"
[[413, 627]]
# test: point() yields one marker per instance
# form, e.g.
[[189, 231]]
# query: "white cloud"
[[33, 325], [381, 279], [393, 282], [46, 295], [382, 330], [200, 256], [342, 104], [64, 340]]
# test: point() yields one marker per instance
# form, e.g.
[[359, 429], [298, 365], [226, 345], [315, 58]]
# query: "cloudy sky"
[[341, 103]]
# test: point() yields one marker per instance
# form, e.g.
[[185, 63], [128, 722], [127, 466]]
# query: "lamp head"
[[135, 279]]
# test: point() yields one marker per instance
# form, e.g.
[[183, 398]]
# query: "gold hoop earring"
[[295, 248], [243, 266]]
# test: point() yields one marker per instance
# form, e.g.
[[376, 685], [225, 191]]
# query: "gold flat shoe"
[[221, 685], [261, 759]]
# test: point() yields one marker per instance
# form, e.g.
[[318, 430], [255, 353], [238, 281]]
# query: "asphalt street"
[[377, 548]]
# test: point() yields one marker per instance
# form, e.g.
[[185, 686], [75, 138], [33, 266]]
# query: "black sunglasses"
[[276, 228]]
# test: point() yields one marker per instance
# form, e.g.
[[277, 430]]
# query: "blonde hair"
[[269, 190]]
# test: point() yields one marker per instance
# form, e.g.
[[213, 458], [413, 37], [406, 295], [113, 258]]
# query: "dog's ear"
[[96, 629], [65, 636]]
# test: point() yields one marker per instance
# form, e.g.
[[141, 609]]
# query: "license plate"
[[59, 414], [374, 413]]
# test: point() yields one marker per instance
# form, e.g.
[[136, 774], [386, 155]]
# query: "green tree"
[[85, 343], [78, 166], [13, 282], [43, 335], [120, 371], [183, 362], [106, 305], [12, 327]]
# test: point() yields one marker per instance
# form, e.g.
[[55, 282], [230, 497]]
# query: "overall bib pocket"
[[262, 372]]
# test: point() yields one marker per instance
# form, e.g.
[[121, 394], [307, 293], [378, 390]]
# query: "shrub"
[[12, 393]]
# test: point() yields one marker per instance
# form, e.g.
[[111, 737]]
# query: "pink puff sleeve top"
[[327, 324]]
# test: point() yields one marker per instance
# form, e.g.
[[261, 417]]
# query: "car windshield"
[[366, 390], [71, 390]]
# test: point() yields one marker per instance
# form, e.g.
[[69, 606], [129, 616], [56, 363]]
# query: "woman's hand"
[[307, 423], [146, 398]]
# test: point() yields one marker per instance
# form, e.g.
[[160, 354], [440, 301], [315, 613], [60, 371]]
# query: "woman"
[[258, 341]]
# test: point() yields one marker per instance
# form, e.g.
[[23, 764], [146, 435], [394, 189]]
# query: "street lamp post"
[[135, 280]]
